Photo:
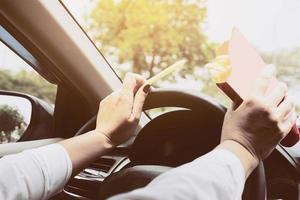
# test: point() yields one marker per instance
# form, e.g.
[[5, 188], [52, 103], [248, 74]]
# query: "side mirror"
[[24, 117], [15, 116]]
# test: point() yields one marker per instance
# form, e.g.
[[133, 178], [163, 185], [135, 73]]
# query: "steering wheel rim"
[[161, 98]]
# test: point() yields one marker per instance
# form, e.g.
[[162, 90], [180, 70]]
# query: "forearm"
[[248, 161], [216, 175], [220, 174], [34, 174], [85, 148]]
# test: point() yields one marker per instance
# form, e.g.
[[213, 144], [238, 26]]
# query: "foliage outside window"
[[17, 76], [12, 124], [27, 82], [146, 36], [150, 35]]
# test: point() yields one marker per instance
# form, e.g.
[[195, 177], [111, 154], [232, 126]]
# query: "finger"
[[132, 82], [139, 101], [129, 82], [263, 81], [285, 108], [140, 80], [277, 94], [289, 123], [232, 107]]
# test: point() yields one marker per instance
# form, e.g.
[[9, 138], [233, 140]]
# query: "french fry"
[[223, 49], [219, 68], [166, 72]]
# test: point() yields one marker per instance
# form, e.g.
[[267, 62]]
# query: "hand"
[[118, 116], [262, 120], [119, 113]]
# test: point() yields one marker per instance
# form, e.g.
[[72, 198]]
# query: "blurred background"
[[145, 36]]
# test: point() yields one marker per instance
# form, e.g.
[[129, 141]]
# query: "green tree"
[[11, 121], [150, 35], [287, 63], [29, 83]]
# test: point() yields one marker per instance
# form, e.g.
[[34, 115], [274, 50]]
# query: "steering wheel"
[[157, 149]]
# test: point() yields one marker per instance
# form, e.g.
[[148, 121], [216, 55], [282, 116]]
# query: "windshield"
[[146, 36]]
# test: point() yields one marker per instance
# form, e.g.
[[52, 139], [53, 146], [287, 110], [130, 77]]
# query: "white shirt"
[[42, 172], [216, 175], [34, 174]]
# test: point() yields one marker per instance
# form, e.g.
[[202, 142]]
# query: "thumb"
[[139, 100], [235, 105], [232, 107]]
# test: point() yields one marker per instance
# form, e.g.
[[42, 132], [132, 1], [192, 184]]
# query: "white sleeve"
[[34, 174], [216, 175]]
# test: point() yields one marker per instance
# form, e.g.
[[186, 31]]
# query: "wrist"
[[248, 160], [102, 139]]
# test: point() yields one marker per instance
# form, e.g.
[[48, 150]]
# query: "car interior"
[[60, 51]]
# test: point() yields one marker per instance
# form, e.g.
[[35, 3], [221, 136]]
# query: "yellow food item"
[[223, 49], [179, 64], [219, 69]]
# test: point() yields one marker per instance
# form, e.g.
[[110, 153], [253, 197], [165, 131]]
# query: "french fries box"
[[245, 66]]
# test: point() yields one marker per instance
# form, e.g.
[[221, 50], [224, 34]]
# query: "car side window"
[[18, 76]]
